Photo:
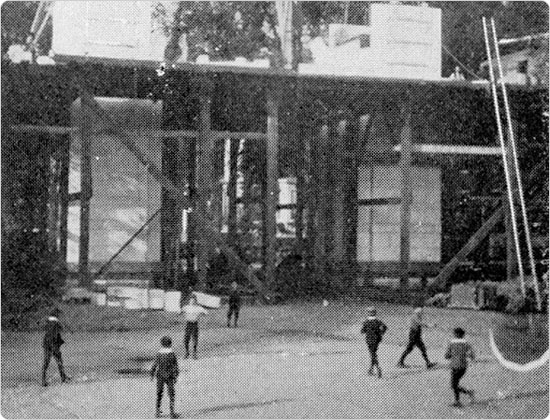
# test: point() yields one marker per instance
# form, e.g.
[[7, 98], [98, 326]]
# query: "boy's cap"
[[55, 312], [166, 341], [371, 310]]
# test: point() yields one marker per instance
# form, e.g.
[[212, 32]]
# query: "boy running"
[[415, 339], [459, 350]]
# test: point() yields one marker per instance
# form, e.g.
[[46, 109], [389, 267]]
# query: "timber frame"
[[327, 120]]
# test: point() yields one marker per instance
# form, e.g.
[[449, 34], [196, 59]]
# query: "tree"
[[17, 17]]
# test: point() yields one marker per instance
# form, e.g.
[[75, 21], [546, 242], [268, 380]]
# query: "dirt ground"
[[301, 360]]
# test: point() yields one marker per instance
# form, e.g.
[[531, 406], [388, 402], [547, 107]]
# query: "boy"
[[167, 371], [459, 350], [234, 304], [415, 339], [52, 346], [374, 330], [192, 313]]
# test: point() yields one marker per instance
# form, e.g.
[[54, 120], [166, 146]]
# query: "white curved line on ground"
[[518, 367]]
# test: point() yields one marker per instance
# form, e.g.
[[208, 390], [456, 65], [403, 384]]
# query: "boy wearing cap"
[[374, 330], [459, 350], [166, 369], [52, 346], [234, 305], [415, 339]]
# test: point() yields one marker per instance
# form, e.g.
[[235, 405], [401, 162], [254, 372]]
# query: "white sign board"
[[109, 29], [400, 41]]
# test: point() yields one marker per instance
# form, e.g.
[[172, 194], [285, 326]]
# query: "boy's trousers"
[[56, 353], [191, 332], [170, 382], [456, 376]]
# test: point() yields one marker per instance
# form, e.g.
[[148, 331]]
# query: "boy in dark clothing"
[[234, 304], [459, 350], [374, 330], [415, 339], [167, 371], [52, 346]]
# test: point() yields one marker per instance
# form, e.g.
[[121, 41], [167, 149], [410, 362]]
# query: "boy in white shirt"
[[192, 313]]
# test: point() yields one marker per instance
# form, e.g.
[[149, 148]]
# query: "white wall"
[[378, 227], [125, 195]]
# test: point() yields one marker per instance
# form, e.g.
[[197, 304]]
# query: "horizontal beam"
[[49, 129], [452, 149], [379, 201]]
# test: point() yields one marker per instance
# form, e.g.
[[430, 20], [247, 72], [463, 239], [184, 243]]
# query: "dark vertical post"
[[511, 266], [338, 197], [406, 195], [272, 188], [64, 202], [232, 192], [350, 192], [53, 201], [321, 194], [309, 198], [204, 180], [181, 177], [85, 194]]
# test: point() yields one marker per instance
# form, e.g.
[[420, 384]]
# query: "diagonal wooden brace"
[[205, 225], [480, 234]]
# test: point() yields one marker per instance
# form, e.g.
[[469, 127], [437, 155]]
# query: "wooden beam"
[[272, 184], [204, 184], [61, 130], [85, 196], [379, 201], [64, 203], [46, 129], [321, 199], [406, 196], [338, 197], [232, 191], [452, 149]]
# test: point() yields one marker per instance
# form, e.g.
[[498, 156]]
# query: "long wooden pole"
[[504, 158], [406, 197], [204, 184], [511, 139], [86, 194]]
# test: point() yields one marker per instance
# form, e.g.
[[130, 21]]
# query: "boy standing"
[[52, 346], [415, 339], [192, 313], [459, 350], [374, 330], [234, 304], [167, 371]]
